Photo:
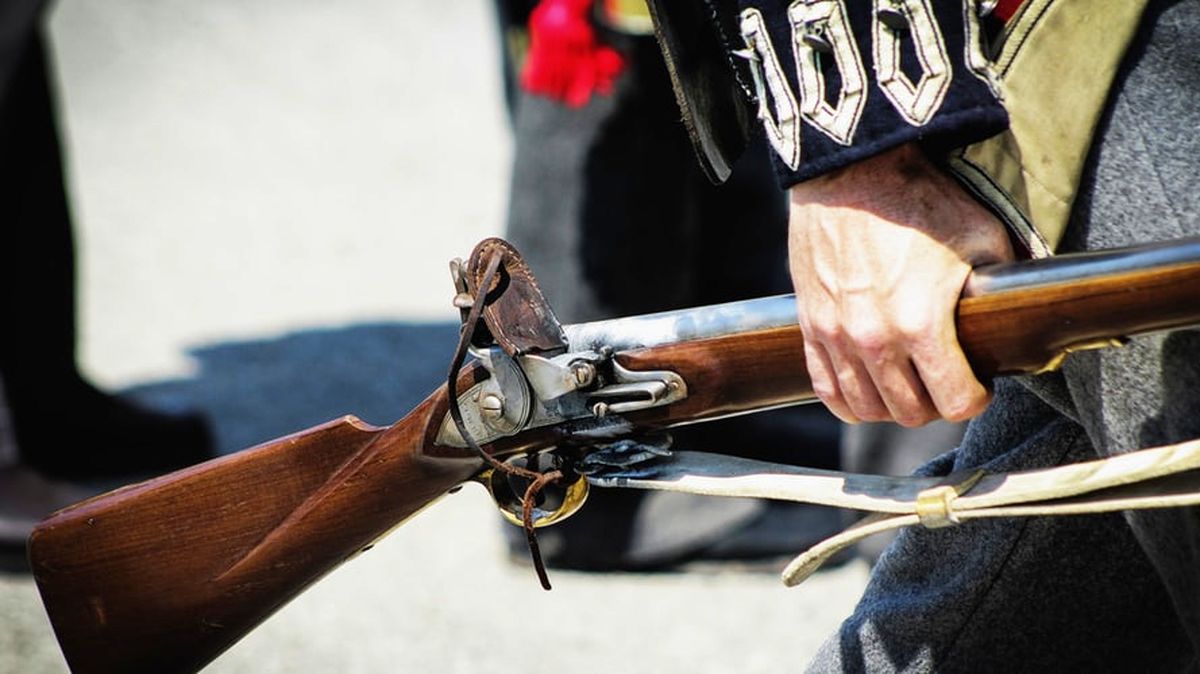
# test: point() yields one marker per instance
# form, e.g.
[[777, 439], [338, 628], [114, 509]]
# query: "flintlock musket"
[[164, 575]]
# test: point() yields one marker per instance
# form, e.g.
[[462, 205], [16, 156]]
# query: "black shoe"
[[25, 499], [75, 432]]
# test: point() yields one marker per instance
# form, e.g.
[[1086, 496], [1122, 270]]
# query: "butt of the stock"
[[164, 575]]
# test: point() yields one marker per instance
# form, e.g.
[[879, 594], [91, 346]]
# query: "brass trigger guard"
[[509, 502]]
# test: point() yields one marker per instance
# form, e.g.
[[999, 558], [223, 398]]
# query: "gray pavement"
[[267, 194]]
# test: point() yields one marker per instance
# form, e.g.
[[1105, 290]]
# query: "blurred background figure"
[[608, 204], [59, 426]]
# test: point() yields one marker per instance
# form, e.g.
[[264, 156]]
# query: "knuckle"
[[914, 418], [827, 330], [964, 407], [911, 407], [845, 416], [826, 391], [840, 342], [837, 405], [869, 410], [914, 326], [877, 415], [872, 339]]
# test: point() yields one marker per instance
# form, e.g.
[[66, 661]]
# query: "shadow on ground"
[[257, 390], [254, 391]]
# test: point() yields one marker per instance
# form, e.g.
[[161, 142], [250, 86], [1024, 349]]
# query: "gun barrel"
[[1081, 272], [1016, 318], [164, 575]]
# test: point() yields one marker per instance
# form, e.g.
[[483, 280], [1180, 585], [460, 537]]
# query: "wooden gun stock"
[[164, 575]]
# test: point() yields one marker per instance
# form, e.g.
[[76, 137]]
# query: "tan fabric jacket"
[[1053, 66]]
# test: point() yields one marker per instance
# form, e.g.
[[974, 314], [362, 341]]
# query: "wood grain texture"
[[164, 575], [1015, 331], [1023, 330]]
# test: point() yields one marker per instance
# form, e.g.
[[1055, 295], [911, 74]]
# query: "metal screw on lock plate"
[[491, 406], [584, 373]]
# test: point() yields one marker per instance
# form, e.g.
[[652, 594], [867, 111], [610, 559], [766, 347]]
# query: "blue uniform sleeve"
[[838, 81]]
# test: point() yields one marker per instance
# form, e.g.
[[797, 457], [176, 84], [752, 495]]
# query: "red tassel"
[[566, 62], [1005, 9]]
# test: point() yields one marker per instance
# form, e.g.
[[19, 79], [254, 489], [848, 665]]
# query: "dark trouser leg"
[[64, 427], [891, 449], [38, 271], [1090, 593], [1142, 187], [1062, 594]]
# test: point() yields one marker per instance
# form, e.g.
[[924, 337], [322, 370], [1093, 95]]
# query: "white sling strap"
[[1160, 477]]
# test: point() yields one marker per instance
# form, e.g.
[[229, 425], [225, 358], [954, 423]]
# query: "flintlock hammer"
[[164, 575]]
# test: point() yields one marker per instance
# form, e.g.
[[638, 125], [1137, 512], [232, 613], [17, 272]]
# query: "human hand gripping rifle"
[[164, 575]]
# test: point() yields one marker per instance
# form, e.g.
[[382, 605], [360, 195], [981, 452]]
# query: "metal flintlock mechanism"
[[538, 380], [543, 375], [164, 575]]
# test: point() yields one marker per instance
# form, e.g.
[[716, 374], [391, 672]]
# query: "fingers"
[[879, 253], [892, 387], [876, 357], [960, 396], [825, 382], [868, 377], [857, 387], [902, 391]]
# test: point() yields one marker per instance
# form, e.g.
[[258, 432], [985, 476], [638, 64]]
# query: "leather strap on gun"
[[1161, 477], [162, 576]]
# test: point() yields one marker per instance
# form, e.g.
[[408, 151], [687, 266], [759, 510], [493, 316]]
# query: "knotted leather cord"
[[538, 481]]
